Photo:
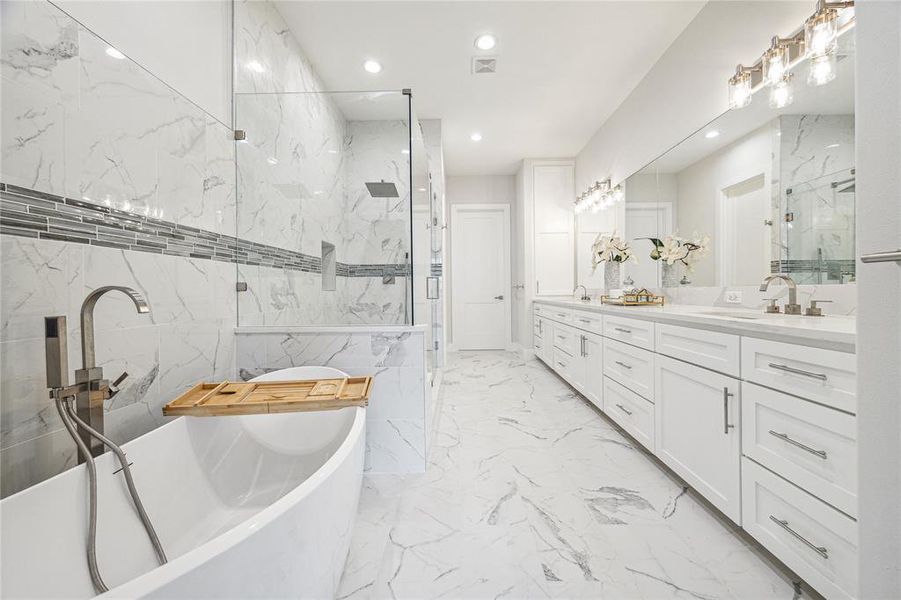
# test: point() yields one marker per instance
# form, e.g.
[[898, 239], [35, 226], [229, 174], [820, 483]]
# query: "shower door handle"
[[431, 288], [890, 256]]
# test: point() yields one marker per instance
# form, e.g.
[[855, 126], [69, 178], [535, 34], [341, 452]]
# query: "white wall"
[[187, 44], [479, 189], [700, 188], [878, 141], [687, 87]]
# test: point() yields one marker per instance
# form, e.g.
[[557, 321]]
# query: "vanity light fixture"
[[816, 41], [372, 66], [486, 41], [112, 52], [598, 197]]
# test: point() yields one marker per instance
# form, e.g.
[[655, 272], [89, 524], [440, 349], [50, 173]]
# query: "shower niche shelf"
[[268, 397]]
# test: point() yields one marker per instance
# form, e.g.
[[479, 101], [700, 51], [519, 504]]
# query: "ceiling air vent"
[[483, 64]]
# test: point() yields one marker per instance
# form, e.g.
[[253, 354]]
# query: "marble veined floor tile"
[[531, 493]]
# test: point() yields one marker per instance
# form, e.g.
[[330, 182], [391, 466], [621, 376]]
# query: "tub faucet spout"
[[93, 388]]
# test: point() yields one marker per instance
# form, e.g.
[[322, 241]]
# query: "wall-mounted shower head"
[[382, 189]]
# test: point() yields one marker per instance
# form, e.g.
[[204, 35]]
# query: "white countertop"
[[829, 332]]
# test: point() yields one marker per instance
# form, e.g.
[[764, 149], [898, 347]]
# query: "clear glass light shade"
[[740, 90], [822, 69], [821, 33], [618, 195], [782, 94], [775, 64]]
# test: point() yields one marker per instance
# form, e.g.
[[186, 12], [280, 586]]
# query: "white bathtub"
[[259, 506]]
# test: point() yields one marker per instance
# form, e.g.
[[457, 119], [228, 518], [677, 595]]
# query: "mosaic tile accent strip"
[[437, 269], [33, 214], [832, 268]]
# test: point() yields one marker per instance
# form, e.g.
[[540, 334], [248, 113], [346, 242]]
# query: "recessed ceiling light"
[[486, 41], [476, 137], [114, 53], [255, 66], [711, 134], [372, 66]]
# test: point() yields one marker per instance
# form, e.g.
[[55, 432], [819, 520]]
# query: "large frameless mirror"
[[759, 190]]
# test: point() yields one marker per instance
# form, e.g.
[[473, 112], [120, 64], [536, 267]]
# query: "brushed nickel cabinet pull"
[[726, 425], [624, 409], [621, 330], [785, 438], [788, 369], [821, 550], [623, 365]]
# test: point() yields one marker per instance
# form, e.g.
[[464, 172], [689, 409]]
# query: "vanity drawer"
[[562, 363], [811, 445], [632, 331], [813, 539], [824, 376], [589, 321], [555, 313], [630, 411], [566, 339], [630, 366], [715, 351]]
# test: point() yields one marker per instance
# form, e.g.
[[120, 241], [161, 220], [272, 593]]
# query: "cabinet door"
[[554, 223], [697, 430], [593, 369]]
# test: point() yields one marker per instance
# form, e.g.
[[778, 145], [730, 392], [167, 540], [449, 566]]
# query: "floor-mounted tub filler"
[[257, 506]]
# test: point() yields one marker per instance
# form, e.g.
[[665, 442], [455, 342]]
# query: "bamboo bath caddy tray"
[[265, 397]]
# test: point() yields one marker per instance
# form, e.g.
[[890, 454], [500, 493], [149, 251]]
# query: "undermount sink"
[[731, 315]]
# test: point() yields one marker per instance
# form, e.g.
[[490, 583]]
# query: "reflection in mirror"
[[756, 191]]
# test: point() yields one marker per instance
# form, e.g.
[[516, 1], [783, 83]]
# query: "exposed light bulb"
[[822, 69], [781, 94], [618, 194], [775, 63], [740, 89], [821, 33]]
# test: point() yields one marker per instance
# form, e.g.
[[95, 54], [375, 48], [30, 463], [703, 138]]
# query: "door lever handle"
[[501, 297]]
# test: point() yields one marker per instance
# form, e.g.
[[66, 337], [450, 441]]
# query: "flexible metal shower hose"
[[69, 415]]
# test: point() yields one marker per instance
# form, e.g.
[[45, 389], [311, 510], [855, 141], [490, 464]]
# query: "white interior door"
[[480, 276], [646, 220], [745, 233]]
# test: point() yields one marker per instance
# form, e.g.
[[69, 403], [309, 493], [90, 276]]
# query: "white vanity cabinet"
[[696, 415], [765, 430]]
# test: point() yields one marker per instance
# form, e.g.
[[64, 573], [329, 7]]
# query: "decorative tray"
[[263, 397], [635, 298]]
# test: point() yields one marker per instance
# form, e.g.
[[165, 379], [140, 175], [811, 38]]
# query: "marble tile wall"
[[843, 297], [300, 183], [814, 151], [396, 425], [80, 123]]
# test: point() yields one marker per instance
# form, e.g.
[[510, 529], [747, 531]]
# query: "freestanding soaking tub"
[[258, 506]]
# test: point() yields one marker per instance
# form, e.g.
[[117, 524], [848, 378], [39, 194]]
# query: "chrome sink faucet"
[[90, 388], [585, 297], [792, 307]]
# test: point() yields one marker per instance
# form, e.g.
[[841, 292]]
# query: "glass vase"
[[669, 275], [612, 275]]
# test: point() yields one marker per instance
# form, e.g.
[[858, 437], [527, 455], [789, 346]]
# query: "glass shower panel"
[[819, 229], [324, 187]]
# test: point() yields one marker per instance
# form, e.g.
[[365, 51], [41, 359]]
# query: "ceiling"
[[563, 67]]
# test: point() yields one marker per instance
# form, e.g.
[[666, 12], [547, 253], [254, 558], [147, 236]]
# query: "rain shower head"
[[382, 189]]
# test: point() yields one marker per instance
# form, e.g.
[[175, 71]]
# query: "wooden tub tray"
[[264, 397]]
